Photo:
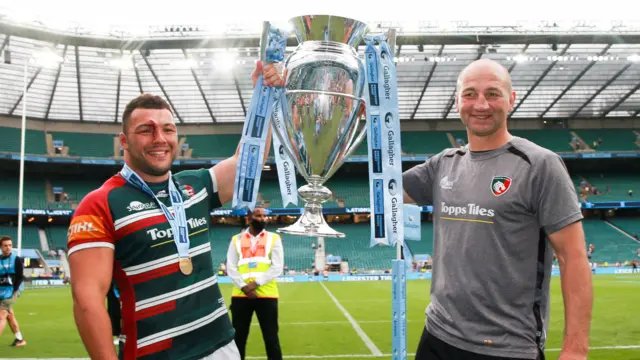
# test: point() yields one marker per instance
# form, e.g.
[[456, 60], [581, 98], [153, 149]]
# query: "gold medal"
[[186, 266]]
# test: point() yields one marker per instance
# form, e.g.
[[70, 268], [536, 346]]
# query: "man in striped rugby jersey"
[[172, 307]]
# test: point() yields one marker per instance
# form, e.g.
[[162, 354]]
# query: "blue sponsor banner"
[[378, 208], [58, 160], [596, 155], [626, 155], [34, 158], [376, 144]]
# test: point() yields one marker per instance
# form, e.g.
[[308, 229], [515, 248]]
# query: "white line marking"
[[372, 347], [621, 231], [346, 356], [320, 301]]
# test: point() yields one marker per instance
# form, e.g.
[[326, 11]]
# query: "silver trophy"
[[323, 121]]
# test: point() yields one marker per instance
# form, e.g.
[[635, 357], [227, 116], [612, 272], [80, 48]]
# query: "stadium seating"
[[34, 142], [57, 237], [631, 226], [34, 192], [220, 236], [86, 144], [347, 191], [612, 139], [213, 146], [424, 142], [30, 237], [298, 253], [413, 142], [610, 245], [354, 248], [553, 139], [425, 245], [620, 185]]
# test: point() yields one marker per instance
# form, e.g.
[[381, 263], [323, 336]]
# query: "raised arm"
[[91, 275], [225, 170]]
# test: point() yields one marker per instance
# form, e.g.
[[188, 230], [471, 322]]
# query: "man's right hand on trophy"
[[270, 75]]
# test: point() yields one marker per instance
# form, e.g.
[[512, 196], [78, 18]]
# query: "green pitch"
[[311, 324]]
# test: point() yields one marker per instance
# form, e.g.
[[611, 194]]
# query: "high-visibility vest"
[[252, 264]]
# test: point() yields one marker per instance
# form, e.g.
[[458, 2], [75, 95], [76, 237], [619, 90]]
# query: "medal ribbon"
[[177, 220]]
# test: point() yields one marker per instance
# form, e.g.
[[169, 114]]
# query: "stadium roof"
[[557, 74]]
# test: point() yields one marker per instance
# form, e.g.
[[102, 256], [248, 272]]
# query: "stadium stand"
[[609, 139], [34, 141], [57, 237], [212, 146], [630, 226], [30, 237], [354, 248], [413, 142], [34, 192], [612, 186], [610, 245], [557, 140], [86, 144]]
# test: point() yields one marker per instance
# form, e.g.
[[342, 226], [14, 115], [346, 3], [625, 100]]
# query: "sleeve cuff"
[[90, 245], [563, 223], [214, 182]]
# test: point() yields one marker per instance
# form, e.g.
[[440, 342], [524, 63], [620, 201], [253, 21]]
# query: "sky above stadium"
[[139, 15]]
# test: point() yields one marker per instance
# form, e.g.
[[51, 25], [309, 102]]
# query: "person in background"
[[11, 278], [254, 260]]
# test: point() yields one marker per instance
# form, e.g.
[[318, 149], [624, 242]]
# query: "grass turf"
[[311, 324]]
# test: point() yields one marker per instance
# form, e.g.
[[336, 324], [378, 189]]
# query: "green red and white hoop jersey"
[[166, 314]]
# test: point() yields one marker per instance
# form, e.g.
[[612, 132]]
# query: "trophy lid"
[[329, 28]]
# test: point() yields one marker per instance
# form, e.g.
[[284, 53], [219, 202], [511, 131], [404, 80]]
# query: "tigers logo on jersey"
[[187, 191], [500, 185]]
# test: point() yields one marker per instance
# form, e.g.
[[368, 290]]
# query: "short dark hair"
[[143, 101], [4, 238]]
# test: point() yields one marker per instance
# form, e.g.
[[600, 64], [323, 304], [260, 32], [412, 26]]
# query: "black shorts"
[[432, 348]]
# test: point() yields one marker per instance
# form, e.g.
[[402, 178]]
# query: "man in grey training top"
[[499, 206]]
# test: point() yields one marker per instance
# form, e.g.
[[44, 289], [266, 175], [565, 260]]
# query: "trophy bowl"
[[324, 93]]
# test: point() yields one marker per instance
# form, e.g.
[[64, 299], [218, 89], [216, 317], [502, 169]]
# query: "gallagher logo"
[[500, 185]]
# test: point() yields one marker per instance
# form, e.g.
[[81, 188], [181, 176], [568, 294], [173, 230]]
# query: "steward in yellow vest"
[[254, 260]]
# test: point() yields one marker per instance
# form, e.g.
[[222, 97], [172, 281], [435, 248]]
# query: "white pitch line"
[[372, 347], [346, 356]]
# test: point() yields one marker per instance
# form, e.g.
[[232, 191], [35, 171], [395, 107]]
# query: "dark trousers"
[[267, 311], [432, 348]]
